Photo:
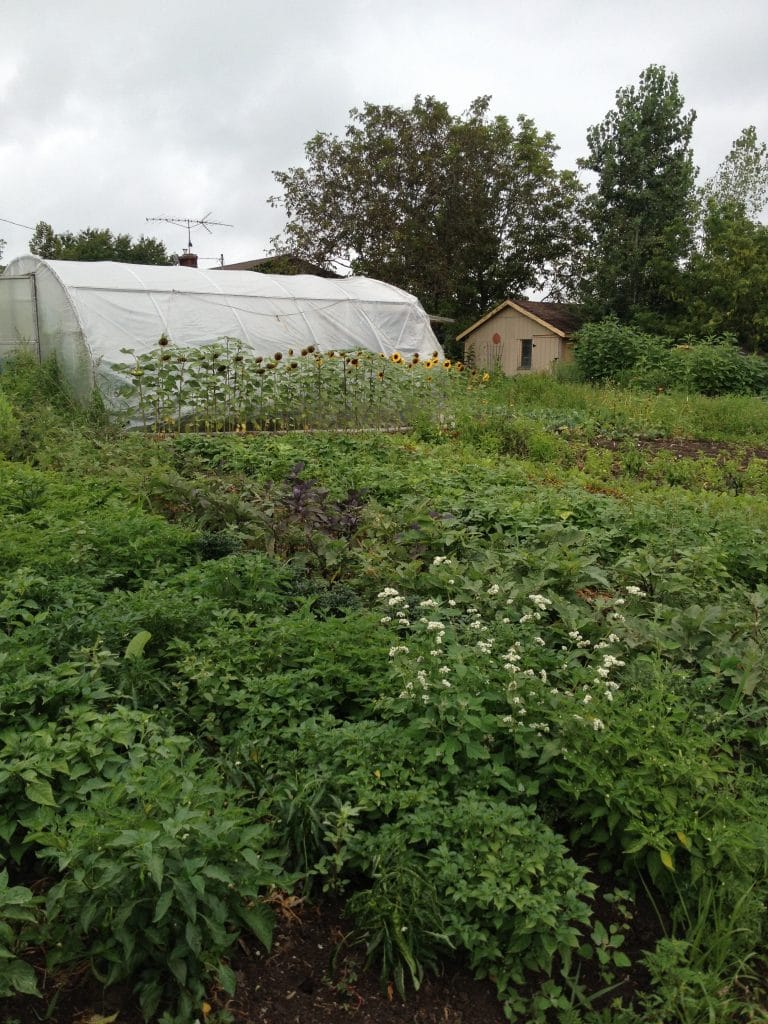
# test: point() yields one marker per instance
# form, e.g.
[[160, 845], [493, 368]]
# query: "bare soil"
[[316, 974], [687, 448]]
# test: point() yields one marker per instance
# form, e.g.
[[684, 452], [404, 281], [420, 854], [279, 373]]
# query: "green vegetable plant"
[[18, 910], [456, 678], [159, 876]]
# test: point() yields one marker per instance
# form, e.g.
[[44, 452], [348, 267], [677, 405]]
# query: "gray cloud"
[[110, 114]]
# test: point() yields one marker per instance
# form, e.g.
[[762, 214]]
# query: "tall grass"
[[735, 418]]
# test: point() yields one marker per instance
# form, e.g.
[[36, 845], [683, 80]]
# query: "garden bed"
[[496, 720]]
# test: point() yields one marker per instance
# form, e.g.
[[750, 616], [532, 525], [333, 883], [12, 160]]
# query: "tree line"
[[467, 210]]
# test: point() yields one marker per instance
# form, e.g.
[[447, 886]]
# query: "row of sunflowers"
[[224, 387]]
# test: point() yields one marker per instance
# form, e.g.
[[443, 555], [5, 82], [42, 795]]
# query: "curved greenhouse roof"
[[85, 313]]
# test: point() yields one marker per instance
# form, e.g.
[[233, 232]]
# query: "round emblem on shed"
[[497, 338]]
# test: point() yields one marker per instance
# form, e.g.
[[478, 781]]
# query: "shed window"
[[526, 355]]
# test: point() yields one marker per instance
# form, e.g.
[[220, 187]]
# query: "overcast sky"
[[111, 113]]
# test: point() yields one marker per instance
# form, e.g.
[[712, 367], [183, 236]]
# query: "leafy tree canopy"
[[742, 178], [96, 244], [462, 210], [643, 210], [727, 278]]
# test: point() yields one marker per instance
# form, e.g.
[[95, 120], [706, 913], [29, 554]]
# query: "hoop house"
[[85, 313]]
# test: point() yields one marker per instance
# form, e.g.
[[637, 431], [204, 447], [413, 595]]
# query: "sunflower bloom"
[[396, 357]]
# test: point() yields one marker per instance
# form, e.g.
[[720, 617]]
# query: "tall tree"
[[726, 280], [96, 244], [642, 212], [460, 210], [742, 178], [727, 277]]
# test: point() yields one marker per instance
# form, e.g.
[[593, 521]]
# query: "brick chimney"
[[188, 259]]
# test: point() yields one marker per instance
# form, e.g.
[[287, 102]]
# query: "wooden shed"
[[521, 336]]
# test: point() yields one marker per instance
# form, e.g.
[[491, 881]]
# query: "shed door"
[[18, 314]]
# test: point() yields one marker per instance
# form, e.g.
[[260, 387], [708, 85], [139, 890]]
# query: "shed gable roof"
[[559, 317]]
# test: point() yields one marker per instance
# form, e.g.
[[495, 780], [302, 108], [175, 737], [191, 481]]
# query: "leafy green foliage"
[[742, 178], [460, 210], [96, 244], [17, 909], [642, 212], [608, 351], [457, 678], [605, 349], [727, 278], [158, 870], [10, 429]]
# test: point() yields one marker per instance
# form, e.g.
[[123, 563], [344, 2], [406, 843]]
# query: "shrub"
[[491, 878], [608, 351], [605, 349], [718, 368]]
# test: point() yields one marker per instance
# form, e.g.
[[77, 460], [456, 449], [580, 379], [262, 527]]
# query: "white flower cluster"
[[433, 626], [441, 560], [579, 680], [612, 638], [603, 672], [511, 660], [578, 639], [597, 723], [395, 600], [601, 686]]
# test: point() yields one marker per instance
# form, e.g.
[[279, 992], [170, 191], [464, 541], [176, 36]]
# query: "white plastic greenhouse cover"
[[87, 312]]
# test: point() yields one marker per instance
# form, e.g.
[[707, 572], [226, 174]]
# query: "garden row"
[[473, 696]]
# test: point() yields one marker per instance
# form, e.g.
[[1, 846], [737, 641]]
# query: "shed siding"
[[513, 327]]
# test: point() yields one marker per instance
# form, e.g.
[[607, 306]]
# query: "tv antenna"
[[190, 222]]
